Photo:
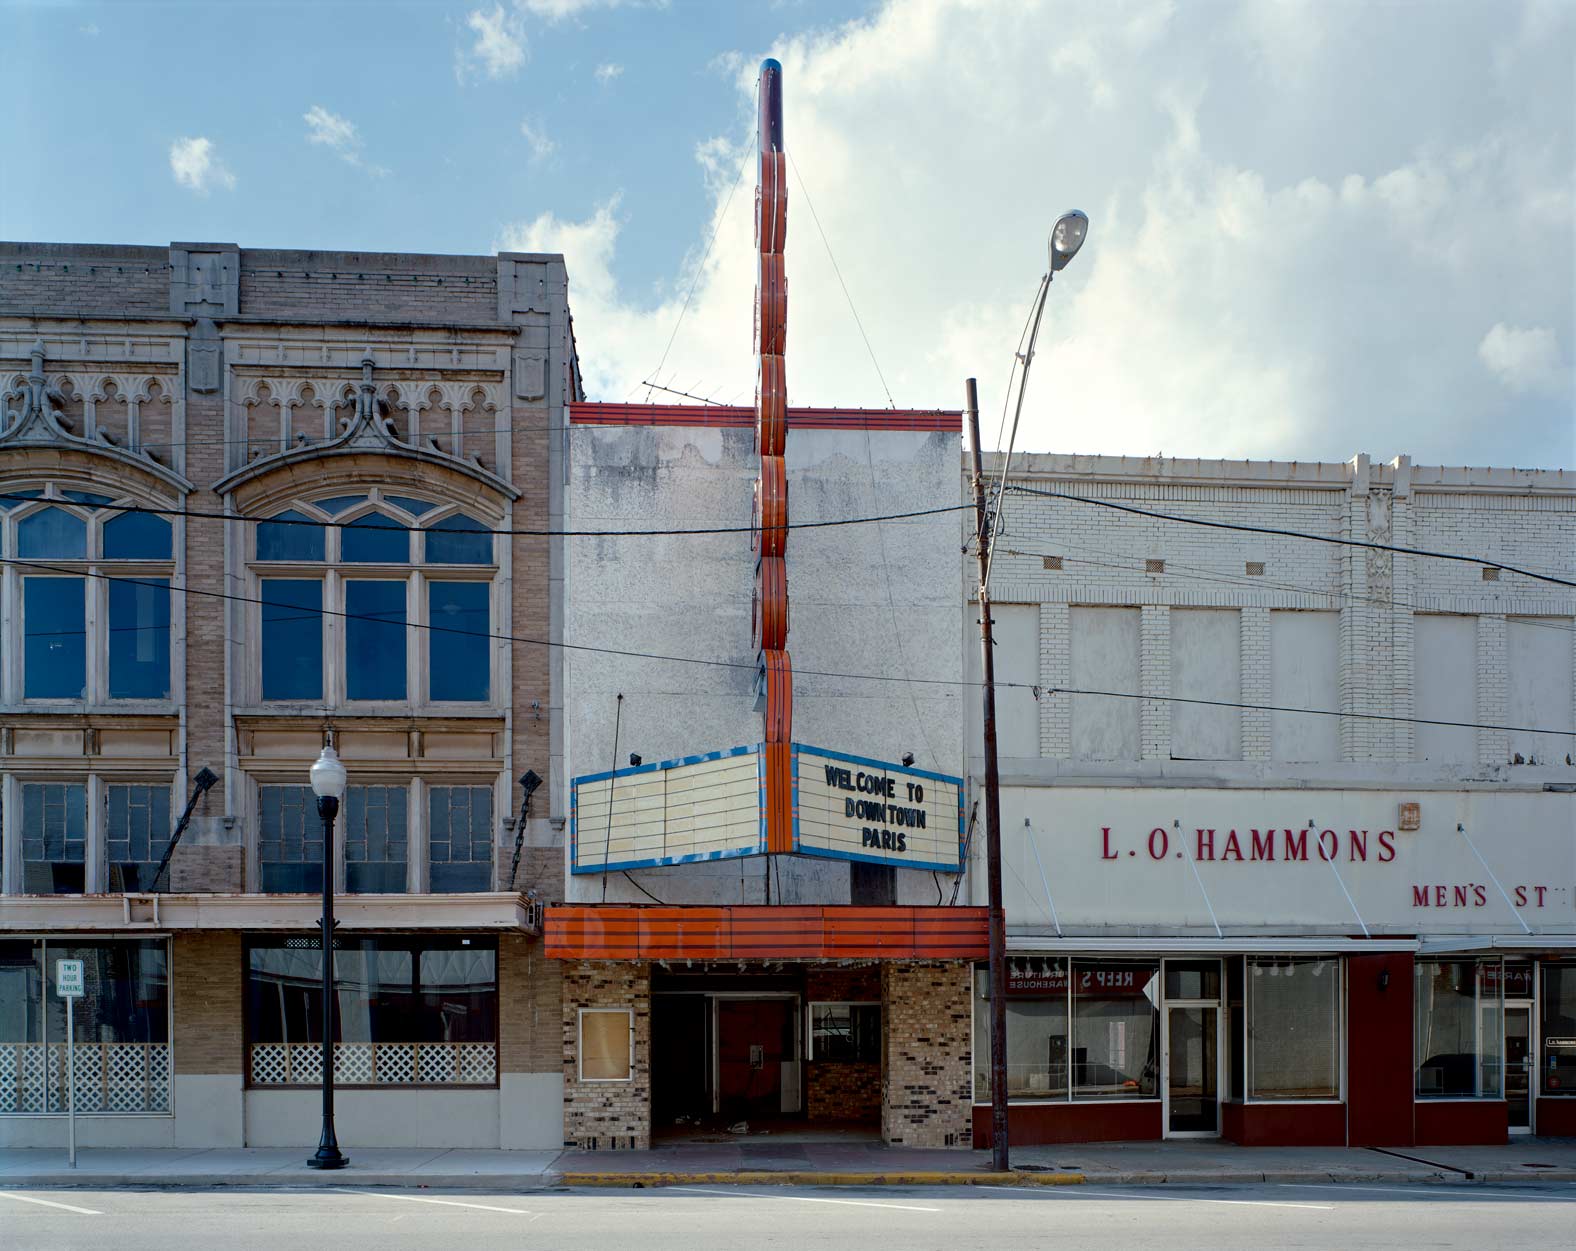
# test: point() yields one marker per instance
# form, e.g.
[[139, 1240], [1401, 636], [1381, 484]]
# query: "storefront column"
[[206, 980], [530, 1050], [927, 1100], [607, 1091], [1379, 1060]]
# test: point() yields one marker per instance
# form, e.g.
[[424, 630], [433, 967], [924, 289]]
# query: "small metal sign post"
[[68, 985]]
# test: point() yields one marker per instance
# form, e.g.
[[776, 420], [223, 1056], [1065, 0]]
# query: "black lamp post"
[[328, 784]]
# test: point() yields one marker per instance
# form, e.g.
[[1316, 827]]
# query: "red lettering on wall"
[[1328, 850], [1419, 896], [1165, 843], [1540, 890], [1263, 846], [1481, 893], [1206, 845], [1357, 849], [1439, 896], [1105, 843], [1460, 895], [1233, 847], [1386, 846], [1296, 844], [1521, 896]]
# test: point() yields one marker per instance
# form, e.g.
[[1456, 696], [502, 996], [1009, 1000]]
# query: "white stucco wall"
[[875, 601]]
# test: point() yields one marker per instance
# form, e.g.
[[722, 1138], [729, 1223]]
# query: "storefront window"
[[845, 1031], [606, 1045], [411, 1011], [1559, 1029], [1036, 1030], [121, 1027], [1459, 1028], [1115, 1036], [1294, 1028]]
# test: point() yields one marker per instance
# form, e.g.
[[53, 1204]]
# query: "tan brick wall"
[[927, 1054], [607, 1115], [199, 869], [205, 984], [530, 1012]]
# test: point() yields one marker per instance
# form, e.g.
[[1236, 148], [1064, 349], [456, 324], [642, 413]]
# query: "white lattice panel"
[[306, 1064], [126, 1066], [158, 1077], [396, 1064], [88, 1068], [435, 1064], [10, 1061], [270, 1064], [476, 1063], [353, 1063]]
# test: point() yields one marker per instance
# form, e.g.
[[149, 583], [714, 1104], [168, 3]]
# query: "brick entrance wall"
[[607, 1115], [926, 1011]]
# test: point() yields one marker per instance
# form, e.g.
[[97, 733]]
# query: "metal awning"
[[495, 910], [1230, 945], [1498, 942]]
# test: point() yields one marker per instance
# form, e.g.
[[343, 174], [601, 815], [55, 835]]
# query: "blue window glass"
[[375, 539], [459, 540], [52, 533], [459, 842], [54, 638], [374, 640], [135, 834], [14, 499], [292, 638], [277, 541], [139, 638], [375, 830], [461, 666], [414, 507], [339, 503], [54, 838], [289, 840], [136, 536], [85, 497]]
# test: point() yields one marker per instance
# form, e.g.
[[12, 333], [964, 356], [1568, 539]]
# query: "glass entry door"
[[1518, 1066], [1192, 1070]]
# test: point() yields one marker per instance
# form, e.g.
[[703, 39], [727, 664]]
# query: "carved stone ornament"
[[39, 422]]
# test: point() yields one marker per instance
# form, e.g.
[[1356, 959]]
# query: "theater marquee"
[[711, 807]]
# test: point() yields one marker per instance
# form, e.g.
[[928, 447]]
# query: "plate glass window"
[[459, 839], [136, 830], [289, 840], [1294, 1028], [374, 640], [846, 1031], [54, 838], [1558, 1032], [292, 638], [1459, 1028], [459, 651], [374, 824]]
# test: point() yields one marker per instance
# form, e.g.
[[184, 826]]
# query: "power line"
[[1292, 534], [826, 243], [528, 534], [1037, 691]]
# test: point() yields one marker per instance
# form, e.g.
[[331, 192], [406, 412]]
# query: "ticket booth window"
[[606, 1044]]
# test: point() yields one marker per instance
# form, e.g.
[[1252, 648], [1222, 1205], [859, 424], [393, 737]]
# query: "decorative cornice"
[[39, 424], [368, 431]]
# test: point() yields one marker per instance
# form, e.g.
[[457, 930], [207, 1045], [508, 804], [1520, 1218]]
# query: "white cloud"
[[340, 136], [1524, 358], [607, 73], [542, 145], [559, 10], [91, 29], [196, 166], [498, 48], [1291, 266]]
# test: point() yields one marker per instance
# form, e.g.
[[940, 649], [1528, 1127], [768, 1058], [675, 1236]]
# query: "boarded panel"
[[850, 808], [1446, 667], [1305, 673], [1105, 652], [1538, 695], [1206, 663], [698, 808], [1016, 628]]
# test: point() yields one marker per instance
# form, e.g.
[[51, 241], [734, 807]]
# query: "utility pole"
[[998, 920]]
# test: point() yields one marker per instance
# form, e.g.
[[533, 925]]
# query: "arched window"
[[405, 633], [92, 598]]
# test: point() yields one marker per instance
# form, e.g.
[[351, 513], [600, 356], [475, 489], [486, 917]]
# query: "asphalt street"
[[954, 1218]]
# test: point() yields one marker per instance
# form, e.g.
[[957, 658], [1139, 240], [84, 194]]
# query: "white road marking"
[[1074, 1192], [750, 1194], [49, 1203], [448, 1203], [1458, 1190]]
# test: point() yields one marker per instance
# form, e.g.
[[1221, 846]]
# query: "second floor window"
[[90, 593], [368, 600]]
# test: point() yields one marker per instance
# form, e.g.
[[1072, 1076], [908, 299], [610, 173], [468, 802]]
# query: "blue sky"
[[1319, 227]]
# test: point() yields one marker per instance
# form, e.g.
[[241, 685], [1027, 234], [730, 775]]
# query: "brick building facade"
[[256, 502]]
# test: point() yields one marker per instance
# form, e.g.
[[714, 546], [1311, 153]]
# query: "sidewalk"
[[755, 1162]]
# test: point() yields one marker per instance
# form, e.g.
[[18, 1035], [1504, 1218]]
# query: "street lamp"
[[1067, 237], [328, 784]]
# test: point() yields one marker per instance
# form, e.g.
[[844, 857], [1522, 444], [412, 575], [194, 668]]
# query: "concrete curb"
[[816, 1177], [66, 1179]]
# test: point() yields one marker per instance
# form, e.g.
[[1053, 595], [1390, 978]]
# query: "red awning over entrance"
[[633, 932]]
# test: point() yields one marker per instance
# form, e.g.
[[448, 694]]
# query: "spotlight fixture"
[[529, 782], [634, 760], [908, 757]]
